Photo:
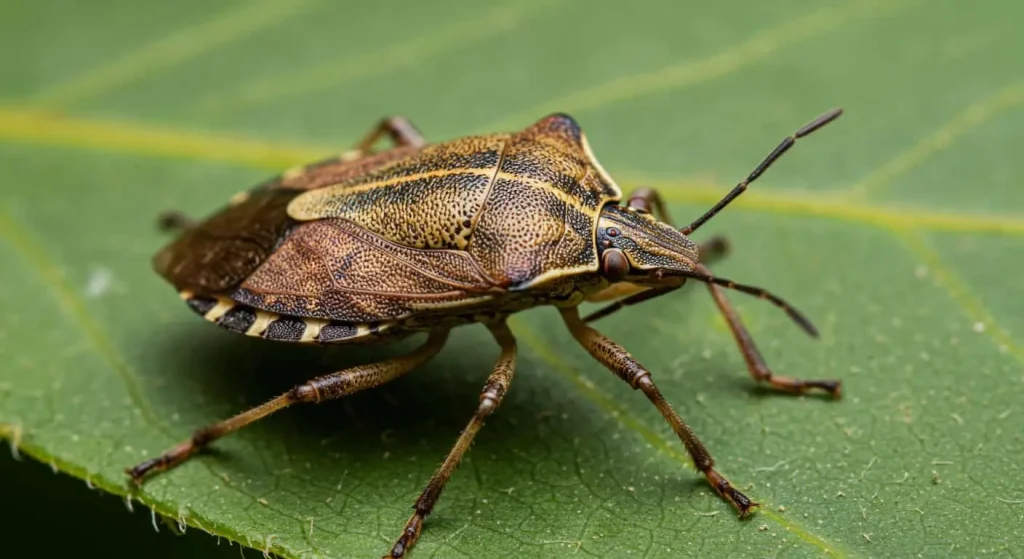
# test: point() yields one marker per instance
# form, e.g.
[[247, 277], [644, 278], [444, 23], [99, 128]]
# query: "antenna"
[[760, 169]]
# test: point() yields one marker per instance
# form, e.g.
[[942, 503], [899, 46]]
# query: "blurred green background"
[[899, 230]]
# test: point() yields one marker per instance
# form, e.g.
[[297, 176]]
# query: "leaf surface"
[[899, 230]]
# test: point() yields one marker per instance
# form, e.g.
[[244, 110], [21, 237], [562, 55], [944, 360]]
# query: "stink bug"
[[373, 246]]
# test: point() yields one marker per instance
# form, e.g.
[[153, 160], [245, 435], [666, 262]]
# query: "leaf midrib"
[[29, 124]]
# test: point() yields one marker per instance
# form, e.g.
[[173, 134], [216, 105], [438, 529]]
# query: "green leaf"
[[899, 230]]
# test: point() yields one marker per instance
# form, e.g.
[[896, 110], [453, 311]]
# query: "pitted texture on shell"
[[220, 252], [525, 206], [335, 269], [647, 243], [395, 233], [428, 200], [540, 217]]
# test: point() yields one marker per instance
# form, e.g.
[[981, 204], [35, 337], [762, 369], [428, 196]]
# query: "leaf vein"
[[22, 243], [15, 235], [960, 293], [27, 125]]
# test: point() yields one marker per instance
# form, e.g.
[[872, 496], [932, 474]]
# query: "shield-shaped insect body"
[[373, 246]]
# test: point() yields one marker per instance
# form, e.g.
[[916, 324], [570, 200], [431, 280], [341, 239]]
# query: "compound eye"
[[614, 265]]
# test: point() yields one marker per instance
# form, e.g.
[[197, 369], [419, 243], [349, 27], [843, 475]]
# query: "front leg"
[[620, 362], [649, 200], [756, 364]]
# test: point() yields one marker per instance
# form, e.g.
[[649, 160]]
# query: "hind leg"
[[328, 387]]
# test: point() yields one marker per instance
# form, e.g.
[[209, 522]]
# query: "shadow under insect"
[[417, 415]]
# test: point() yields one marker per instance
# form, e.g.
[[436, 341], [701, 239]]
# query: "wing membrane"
[[217, 254], [337, 270]]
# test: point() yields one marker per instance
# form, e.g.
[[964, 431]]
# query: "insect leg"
[[327, 387], [755, 363], [619, 361], [650, 201], [495, 388], [398, 128], [632, 294], [173, 221]]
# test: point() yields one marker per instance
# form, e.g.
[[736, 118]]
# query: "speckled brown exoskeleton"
[[374, 246]]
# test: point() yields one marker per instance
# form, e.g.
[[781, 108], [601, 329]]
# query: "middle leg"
[[494, 390]]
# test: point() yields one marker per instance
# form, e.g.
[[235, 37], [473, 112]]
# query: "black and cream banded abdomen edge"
[[257, 323]]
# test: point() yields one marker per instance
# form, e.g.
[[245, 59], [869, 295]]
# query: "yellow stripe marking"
[[239, 198], [311, 205], [940, 140], [313, 327], [223, 305], [556, 274], [597, 165], [761, 46], [458, 303], [294, 173], [186, 295], [541, 185], [484, 172], [263, 320]]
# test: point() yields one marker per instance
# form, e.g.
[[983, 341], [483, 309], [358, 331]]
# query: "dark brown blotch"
[[285, 329], [201, 305], [238, 319], [336, 331]]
